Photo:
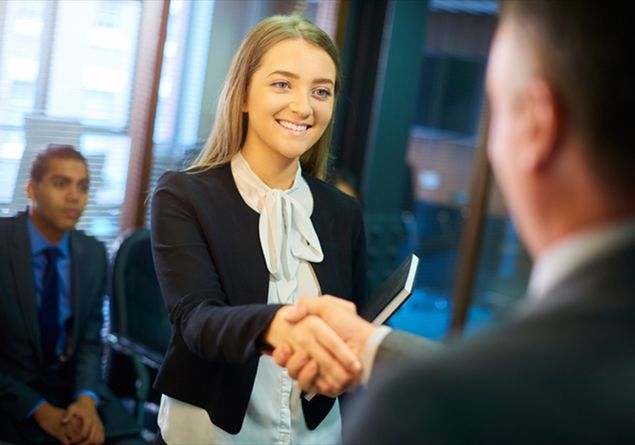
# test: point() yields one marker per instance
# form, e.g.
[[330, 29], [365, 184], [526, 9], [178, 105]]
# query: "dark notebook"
[[391, 293], [388, 297]]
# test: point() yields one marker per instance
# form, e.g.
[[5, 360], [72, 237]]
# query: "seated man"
[[52, 285]]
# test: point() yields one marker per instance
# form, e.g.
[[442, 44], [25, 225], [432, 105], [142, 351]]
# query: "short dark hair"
[[583, 49], [59, 151]]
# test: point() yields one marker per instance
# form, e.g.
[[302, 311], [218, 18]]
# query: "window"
[[108, 14], [440, 159], [20, 46], [99, 107], [503, 266], [20, 100], [66, 71]]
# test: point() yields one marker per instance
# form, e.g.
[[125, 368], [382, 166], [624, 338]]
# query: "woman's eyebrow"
[[295, 76]]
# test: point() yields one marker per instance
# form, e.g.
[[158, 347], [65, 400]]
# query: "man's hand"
[[91, 430], [312, 338], [49, 418], [341, 316]]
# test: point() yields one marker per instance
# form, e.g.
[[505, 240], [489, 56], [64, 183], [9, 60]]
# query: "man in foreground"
[[560, 370]]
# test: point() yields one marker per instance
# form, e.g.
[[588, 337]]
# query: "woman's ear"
[[245, 105]]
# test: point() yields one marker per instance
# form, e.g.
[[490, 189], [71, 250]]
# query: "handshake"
[[320, 341]]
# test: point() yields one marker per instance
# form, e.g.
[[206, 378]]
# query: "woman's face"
[[289, 101]]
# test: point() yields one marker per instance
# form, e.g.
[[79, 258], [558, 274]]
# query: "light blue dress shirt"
[[38, 245]]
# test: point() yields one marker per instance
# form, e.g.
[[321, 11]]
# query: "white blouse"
[[289, 243]]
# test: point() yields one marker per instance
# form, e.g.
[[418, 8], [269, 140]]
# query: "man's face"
[[58, 200]]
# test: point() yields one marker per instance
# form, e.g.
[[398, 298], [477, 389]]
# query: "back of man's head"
[[52, 151], [583, 49]]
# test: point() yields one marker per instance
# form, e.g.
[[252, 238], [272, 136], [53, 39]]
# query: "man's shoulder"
[[9, 224], [87, 242], [7, 221], [542, 347]]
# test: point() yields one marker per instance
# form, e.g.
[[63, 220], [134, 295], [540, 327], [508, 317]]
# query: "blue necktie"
[[49, 307]]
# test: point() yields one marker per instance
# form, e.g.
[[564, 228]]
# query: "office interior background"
[[134, 84]]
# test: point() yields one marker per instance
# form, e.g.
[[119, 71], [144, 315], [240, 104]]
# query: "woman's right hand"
[[313, 340]]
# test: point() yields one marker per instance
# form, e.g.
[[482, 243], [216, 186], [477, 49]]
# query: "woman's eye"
[[281, 85], [323, 92]]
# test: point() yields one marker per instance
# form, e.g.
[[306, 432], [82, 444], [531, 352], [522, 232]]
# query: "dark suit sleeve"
[[408, 405], [16, 398], [200, 311], [92, 289], [399, 347]]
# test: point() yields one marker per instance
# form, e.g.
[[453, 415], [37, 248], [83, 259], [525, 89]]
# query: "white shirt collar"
[[566, 257], [254, 191]]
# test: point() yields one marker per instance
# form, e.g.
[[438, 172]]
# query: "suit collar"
[[575, 252], [77, 263], [22, 269], [602, 280]]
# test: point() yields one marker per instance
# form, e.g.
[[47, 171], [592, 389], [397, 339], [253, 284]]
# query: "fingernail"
[[357, 366]]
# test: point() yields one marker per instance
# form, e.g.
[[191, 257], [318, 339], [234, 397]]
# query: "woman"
[[241, 234]]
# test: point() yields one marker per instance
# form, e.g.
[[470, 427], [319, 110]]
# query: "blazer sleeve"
[[199, 309], [92, 289], [17, 399], [399, 347]]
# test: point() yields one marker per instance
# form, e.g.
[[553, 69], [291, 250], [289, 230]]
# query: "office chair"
[[139, 325]]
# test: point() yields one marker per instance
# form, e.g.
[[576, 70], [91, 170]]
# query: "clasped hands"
[[79, 423], [320, 341]]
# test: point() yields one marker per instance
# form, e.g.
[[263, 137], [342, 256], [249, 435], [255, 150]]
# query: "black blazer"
[[562, 372], [214, 281]]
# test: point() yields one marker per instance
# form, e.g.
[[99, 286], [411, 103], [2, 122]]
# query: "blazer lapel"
[[22, 269], [327, 271], [77, 262]]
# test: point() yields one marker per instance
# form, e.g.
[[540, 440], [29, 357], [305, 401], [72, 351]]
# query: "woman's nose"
[[301, 105]]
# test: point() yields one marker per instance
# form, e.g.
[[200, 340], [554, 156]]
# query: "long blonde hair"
[[230, 128]]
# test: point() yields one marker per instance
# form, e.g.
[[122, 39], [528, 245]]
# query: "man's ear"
[[543, 114], [30, 189]]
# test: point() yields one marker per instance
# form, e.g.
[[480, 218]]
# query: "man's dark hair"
[[583, 49], [57, 151]]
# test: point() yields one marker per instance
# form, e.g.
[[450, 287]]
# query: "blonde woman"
[[245, 231]]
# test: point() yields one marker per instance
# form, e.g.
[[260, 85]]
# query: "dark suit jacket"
[[214, 281], [24, 378], [560, 372]]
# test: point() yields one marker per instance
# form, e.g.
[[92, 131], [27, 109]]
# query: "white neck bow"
[[286, 232]]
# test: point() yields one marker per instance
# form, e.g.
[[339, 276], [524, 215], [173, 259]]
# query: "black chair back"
[[138, 312]]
